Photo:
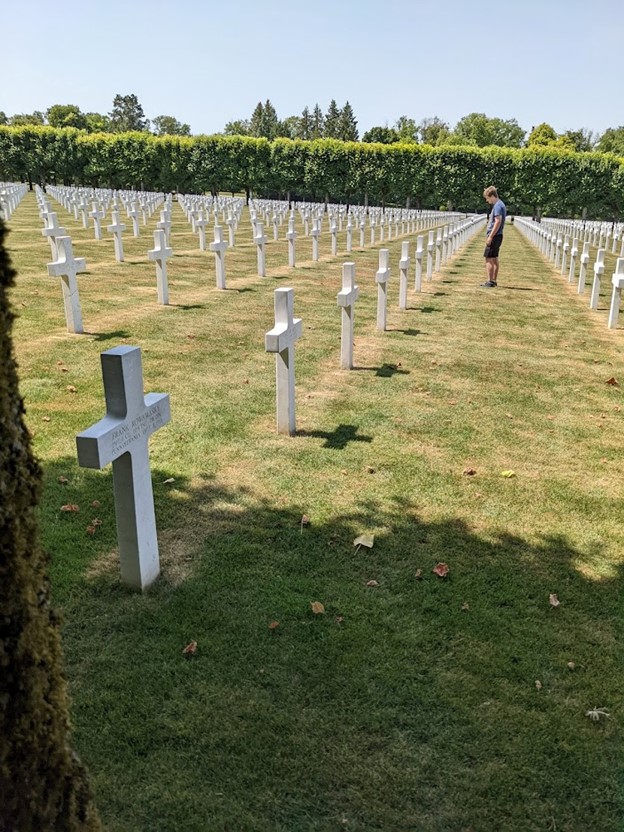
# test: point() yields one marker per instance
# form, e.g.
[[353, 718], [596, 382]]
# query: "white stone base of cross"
[[281, 340], [121, 437]]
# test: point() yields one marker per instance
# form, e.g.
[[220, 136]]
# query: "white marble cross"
[[566, 251], [200, 224], [275, 226], [133, 213], [160, 254], [291, 236], [117, 228], [599, 268], [404, 264], [334, 238], [219, 246], [419, 259], [583, 268], [438, 250], [281, 340], [617, 280], [67, 267], [53, 231], [231, 224], [349, 233], [260, 240], [346, 301], [573, 256], [362, 229], [97, 215], [430, 247], [121, 437], [315, 238], [381, 278], [165, 224]]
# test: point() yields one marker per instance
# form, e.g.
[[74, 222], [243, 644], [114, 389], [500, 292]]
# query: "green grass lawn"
[[418, 703]]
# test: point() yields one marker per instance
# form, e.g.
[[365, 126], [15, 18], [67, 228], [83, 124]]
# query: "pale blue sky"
[[205, 63]]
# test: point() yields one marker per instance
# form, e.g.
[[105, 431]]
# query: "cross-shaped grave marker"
[[291, 236], [583, 268], [404, 264], [121, 437], [334, 238], [381, 278], [160, 254], [219, 247], [53, 231], [281, 340], [231, 223], [349, 233], [419, 259], [116, 228], [315, 238], [165, 224], [260, 240], [346, 301], [617, 281], [599, 268], [133, 213], [67, 267], [430, 247], [97, 215], [573, 256], [200, 224]]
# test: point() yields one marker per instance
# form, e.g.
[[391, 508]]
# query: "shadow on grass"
[[413, 332], [108, 336], [385, 371], [339, 438], [411, 683], [187, 307], [426, 310]]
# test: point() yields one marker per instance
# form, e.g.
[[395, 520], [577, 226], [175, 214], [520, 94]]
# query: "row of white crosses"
[[287, 330], [122, 436], [597, 234], [550, 243], [11, 194]]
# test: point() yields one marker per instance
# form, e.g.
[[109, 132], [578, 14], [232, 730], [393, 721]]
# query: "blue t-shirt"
[[498, 210]]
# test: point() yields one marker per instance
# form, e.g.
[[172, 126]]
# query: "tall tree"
[[289, 127], [270, 121], [542, 135], [257, 120], [305, 125], [332, 121], [127, 114], [318, 123], [407, 129], [239, 127], [42, 782], [433, 131], [3, 117], [382, 135], [170, 126], [480, 130], [97, 123], [66, 115], [26, 119], [347, 124], [583, 140], [612, 141]]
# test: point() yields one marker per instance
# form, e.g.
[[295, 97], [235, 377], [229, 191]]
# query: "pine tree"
[[305, 125], [347, 125], [332, 121], [43, 785], [127, 114], [318, 123], [270, 121], [256, 121]]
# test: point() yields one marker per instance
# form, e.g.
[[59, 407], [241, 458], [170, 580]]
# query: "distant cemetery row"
[[533, 180]]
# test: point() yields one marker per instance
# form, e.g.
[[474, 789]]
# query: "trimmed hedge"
[[531, 180]]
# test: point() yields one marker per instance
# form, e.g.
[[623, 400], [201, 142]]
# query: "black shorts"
[[492, 250]]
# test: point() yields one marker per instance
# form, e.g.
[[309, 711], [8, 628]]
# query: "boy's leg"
[[490, 269], [495, 270]]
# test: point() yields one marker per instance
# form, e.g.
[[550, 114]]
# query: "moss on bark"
[[43, 784]]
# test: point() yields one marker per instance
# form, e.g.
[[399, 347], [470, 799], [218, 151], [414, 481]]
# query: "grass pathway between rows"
[[411, 704]]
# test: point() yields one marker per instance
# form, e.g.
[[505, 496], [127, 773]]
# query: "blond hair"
[[490, 191]]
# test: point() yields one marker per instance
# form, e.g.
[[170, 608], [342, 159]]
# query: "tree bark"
[[43, 784]]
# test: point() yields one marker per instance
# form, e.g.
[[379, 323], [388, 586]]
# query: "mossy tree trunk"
[[43, 785]]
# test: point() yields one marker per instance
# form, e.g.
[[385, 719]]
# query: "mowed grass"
[[419, 703]]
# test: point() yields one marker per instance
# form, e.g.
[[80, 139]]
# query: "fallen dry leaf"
[[45, 419], [96, 522], [70, 507], [372, 583], [190, 648], [63, 480], [469, 472], [538, 684], [465, 606], [317, 608], [70, 388], [509, 415], [508, 474], [595, 713], [571, 665], [370, 469], [418, 574], [273, 625], [441, 569], [367, 540], [64, 369], [339, 619], [91, 529], [95, 504], [551, 418], [169, 480], [553, 600], [305, 520], [612, 382]]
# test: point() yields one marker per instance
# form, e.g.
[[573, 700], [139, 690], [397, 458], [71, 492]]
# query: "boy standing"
[[494, 237]]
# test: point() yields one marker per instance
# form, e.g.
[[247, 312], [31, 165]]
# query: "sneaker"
[[489, 284]]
